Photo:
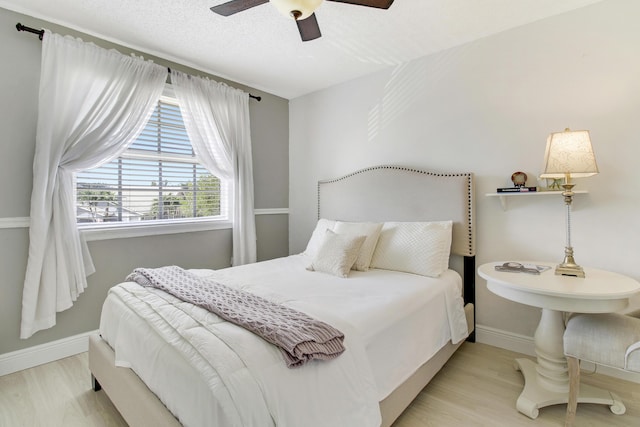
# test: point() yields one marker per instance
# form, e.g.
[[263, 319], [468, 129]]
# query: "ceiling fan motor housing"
[[296, 9]]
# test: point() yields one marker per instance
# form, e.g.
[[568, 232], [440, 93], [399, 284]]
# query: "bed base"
[[131, 397], [394, 404], [140, 407]]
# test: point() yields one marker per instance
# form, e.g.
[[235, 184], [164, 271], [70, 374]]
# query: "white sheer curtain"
[[93, 103], [217, 120]]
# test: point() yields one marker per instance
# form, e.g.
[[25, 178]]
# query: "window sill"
[[94, 233]]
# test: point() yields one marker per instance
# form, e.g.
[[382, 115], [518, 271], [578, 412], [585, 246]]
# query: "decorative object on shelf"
[[519, 179], [549, 184], [569, 154], [516, 189], [554, 184]]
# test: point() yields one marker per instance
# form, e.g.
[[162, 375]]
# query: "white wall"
[[487, 107]]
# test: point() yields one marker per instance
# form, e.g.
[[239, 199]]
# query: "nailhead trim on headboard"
[[468, 176]]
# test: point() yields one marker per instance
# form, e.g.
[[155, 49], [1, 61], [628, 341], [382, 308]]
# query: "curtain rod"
[[40, 34], [257, 98]]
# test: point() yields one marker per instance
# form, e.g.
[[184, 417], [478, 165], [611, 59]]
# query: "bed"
[[372, 382]]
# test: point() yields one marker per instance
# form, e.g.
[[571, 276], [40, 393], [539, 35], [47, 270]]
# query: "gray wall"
[[487, 107], [114, 259]]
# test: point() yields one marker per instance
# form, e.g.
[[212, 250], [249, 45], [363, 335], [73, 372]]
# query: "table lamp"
[[569, 154]]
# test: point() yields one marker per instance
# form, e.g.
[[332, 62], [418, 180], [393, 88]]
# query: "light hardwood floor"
[[477, 387]]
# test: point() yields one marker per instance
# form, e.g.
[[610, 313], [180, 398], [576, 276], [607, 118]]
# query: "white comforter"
[[234, 378]]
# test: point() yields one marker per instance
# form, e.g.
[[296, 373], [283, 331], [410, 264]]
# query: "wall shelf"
[[504, 196]]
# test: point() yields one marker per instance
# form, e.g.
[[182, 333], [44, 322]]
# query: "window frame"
[[92, 231]]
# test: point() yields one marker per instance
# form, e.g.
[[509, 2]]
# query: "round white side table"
[[547, 379]]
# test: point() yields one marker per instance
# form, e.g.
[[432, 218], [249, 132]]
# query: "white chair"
[[605, 339]]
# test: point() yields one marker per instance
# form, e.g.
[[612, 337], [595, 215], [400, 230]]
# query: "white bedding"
[[393, 323]]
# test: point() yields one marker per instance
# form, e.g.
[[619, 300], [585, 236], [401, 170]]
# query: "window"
[[157, 179]]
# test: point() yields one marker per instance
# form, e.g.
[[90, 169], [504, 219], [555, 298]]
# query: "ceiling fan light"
[[290, 8]]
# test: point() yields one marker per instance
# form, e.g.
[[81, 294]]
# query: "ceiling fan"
[[302, 11]]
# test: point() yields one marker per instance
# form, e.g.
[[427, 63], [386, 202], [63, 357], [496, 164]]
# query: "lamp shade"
[[304, 7], [569, 153]]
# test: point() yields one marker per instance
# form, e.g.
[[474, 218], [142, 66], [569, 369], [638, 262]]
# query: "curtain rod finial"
[[21, 27]]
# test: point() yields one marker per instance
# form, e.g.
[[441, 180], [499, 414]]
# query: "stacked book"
[[516, 189]]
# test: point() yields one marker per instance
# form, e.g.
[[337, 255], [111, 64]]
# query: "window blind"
[[157, 178]]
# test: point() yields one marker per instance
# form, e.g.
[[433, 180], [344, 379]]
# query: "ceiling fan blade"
[[235, 6], [309, 29], [380, 4]]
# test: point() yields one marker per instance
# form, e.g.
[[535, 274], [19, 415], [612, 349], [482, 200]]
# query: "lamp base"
[[569, 270], [569, 266]]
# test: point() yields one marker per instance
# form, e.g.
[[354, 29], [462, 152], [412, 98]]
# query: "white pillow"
[[318, 236], [369, 229], [414, 247], [337, 254]]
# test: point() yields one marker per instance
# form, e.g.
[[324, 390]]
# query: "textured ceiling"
[[262, 49]]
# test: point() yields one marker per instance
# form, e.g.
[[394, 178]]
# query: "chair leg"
[[574, 386]]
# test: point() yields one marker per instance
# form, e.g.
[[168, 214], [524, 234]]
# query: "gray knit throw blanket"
[[300, 337]]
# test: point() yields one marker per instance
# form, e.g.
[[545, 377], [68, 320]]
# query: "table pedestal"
[[547, 381]]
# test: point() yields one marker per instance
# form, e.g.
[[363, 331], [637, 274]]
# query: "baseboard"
[[504, 339], [44, 353], [525, 345]]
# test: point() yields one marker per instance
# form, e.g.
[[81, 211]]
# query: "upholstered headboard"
[[396, 193]]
